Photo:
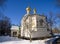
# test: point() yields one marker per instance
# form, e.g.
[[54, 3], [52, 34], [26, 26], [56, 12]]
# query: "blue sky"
[[16, 9]]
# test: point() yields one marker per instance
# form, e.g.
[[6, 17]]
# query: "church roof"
[[15, 27], [26, 16], [39, 15]]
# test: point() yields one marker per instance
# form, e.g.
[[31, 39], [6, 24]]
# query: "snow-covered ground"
[[15, 40]]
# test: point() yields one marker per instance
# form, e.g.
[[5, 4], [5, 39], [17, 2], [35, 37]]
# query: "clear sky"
[[16, 9]]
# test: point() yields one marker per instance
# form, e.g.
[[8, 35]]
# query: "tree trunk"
[[30, 38]]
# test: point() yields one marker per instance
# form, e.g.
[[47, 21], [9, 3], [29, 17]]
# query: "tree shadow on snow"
[[8, 39]]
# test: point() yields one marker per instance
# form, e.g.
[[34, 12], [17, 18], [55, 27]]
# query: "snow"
[[15, 40], [15, 28]]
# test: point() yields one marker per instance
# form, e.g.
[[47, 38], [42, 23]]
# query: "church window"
[[27, 26], [48, 30], [37, 23], [41, 22], [14, 33]]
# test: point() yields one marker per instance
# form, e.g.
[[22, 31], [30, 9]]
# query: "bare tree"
[[56, 30], [52, 20], [2, 2], [2, 5], [5, 26], [58, 3], [58, 15]]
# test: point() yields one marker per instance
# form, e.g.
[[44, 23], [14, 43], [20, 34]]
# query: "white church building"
[[15, 30], [34, 25]]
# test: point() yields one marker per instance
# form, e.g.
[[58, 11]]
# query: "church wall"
[[41, 32], [38, 18], [32, 24], [14, 29], [21, 28], [34, 21], [25, 27]]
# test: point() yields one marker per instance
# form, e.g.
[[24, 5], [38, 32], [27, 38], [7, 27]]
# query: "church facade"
[[34, 25], [15, 31]]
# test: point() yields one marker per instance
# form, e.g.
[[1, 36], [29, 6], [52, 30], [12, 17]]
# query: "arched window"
[[41, 22]]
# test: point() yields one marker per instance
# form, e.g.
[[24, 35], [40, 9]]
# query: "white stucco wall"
[[14, 29], [40, 31]]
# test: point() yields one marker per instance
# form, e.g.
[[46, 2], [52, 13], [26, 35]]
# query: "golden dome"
[[28, 8]]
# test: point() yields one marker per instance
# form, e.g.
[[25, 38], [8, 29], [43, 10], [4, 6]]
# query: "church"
[[34, 25]]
